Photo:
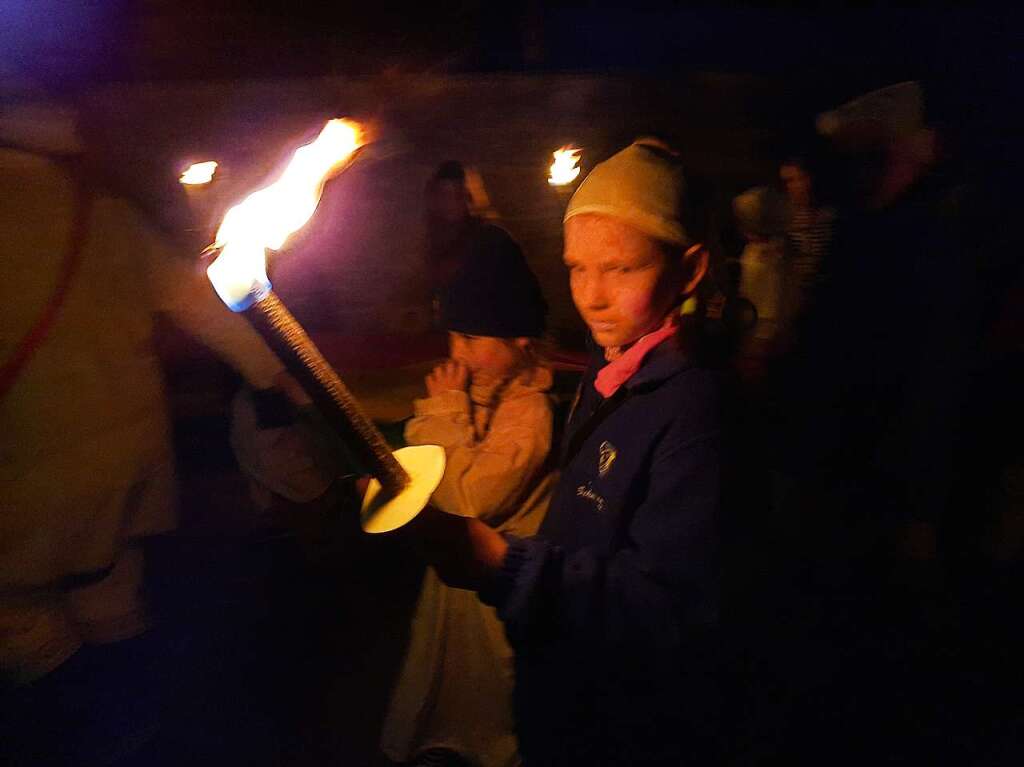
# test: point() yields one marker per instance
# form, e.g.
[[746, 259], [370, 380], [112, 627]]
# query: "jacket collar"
[[664, 361], [661, 363]]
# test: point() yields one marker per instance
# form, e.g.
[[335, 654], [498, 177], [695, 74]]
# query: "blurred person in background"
[[872, 389], [86, 464], [765, 275], [903, 292], [809, 227], [458, 233], [886, 459], [870, 411]]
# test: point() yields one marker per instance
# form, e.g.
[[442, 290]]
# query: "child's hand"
[[464, 551], [449, 375]]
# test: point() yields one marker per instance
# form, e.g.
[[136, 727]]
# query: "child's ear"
[[695, 266], [522, 342]]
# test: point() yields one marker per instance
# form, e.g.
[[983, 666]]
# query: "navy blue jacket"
[[611, 608]]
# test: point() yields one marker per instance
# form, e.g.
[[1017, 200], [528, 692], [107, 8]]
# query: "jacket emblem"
[[606, 457]]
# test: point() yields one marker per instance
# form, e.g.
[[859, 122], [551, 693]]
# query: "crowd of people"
[[747, 542]]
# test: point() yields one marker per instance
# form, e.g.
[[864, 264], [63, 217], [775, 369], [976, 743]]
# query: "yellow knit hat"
[[644, 186]]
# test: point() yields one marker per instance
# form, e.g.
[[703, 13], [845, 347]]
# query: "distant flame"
[[268, 217], [565, 168], [199, 173]]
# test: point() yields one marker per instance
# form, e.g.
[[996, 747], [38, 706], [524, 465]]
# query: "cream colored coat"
[[85, 454], [455, 687]]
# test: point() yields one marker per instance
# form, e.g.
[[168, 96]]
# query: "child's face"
[[623, 282], [797, 183], [486, 357]]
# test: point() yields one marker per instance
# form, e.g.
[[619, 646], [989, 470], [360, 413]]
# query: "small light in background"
[[199, 173], [565, 168]]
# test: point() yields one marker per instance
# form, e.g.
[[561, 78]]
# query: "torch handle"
[[285, 336]]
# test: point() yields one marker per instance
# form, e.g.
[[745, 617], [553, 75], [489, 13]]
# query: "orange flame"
[[268, 217], [199, 173], [565, 168]]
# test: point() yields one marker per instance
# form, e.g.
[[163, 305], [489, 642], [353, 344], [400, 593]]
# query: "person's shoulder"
[[524, 420], [674, 362], [528, 406], [496, 237], [696, 383], [487, 228], [690, 403], [528, 398]]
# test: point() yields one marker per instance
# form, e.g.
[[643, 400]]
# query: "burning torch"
[[566, 166], [402, 481]]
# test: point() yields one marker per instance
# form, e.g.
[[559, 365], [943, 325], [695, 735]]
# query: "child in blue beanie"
[[487, 405]]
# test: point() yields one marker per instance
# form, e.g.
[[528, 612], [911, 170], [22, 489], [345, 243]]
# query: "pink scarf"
[[623, 365]]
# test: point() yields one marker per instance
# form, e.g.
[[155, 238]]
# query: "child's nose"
[[594, 294]]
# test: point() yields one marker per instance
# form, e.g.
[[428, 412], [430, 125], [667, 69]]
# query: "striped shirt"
[[810, 230]]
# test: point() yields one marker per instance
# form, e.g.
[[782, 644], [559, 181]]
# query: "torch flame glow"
[[268, 217], [565, 168], [199, 173]]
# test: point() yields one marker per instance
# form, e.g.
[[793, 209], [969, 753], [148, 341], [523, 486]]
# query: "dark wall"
[[358, 262]]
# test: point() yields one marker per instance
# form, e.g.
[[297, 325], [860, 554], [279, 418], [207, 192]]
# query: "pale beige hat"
[[644, 186]]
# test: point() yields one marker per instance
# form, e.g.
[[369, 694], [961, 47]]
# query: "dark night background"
[[264, 659]]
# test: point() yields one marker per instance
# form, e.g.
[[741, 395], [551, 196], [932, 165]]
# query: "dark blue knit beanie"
[[495, 293]]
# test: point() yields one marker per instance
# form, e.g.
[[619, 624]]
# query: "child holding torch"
[[612, 607]]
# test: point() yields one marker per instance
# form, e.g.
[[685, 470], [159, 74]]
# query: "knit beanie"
[[495, 293], [644, 186]]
